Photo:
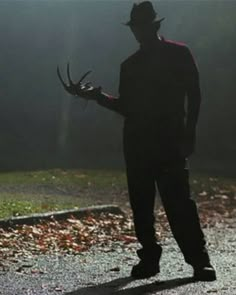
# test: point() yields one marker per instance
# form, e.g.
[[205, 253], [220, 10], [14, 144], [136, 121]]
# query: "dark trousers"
[[171, 178]]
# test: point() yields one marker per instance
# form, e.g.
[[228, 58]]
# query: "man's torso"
[[153, 90]]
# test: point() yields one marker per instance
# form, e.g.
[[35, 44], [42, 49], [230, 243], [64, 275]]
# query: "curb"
[[59, 215]]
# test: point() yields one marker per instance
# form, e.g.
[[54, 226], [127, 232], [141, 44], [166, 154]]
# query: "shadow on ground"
[[114, 287]]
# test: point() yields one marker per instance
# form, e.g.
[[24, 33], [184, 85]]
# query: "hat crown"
[[142, 12]]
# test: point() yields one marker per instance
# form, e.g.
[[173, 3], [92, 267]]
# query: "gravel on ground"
[[106, 270]]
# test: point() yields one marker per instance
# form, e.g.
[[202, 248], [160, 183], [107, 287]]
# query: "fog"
[[43, 127]]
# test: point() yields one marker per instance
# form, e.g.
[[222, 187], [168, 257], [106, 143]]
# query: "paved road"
[[105, 271]]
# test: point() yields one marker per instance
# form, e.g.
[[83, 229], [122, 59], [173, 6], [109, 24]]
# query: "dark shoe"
[[145, 269], [204, 273]]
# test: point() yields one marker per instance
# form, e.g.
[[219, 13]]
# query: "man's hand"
[[187, 146], [187, 149], [84, 90]]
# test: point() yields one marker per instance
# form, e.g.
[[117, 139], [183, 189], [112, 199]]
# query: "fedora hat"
[[142, 13]]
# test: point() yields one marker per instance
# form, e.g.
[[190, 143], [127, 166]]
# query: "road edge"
[[60, 215]]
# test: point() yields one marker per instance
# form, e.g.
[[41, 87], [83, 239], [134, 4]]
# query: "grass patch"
[[82, 178], [19, 204], [67, 189]]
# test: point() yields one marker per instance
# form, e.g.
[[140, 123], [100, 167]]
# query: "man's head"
[[142, 21]]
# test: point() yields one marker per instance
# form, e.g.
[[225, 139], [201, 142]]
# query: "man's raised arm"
[[114, 103], [86, 91]]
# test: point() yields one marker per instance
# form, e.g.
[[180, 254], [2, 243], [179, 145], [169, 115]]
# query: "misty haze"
[[86, 182], [43, 127]]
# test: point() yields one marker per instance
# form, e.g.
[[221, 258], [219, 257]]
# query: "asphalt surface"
[[105, 270]]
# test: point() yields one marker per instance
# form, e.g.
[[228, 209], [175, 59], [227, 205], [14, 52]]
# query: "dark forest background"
[[43, 127]]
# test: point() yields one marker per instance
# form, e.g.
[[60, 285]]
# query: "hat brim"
[[130, 23]]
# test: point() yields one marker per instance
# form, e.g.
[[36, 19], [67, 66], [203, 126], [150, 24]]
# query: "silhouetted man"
[[158, 136]]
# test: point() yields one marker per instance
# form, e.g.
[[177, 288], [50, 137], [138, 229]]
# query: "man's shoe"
[[204, 273], [145, 269]]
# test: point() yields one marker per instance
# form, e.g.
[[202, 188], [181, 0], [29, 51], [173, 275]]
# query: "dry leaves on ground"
[[74, 236], [70, 236]]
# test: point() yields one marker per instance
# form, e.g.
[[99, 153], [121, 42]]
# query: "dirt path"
[[105, 270]]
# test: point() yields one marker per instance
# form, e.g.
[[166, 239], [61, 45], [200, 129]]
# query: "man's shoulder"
[[175, 45], [178, 51], [130, 59], [171, 46]]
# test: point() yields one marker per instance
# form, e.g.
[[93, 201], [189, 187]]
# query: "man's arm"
[[114, 103], [193, 93]]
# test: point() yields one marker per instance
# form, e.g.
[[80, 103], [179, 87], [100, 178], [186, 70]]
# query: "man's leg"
[[173, 184], [141, 187]]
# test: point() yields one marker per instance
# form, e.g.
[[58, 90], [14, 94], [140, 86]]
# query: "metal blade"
[[68, 75], [83, 77], [60, 77]]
